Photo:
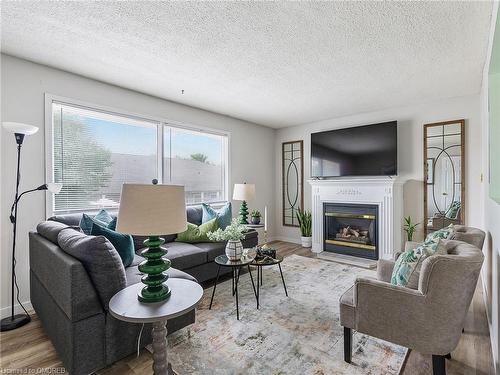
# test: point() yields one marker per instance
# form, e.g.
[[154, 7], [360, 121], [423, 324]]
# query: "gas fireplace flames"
[[353, 234]]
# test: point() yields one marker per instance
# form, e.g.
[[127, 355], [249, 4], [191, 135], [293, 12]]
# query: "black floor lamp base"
[[14, 322]]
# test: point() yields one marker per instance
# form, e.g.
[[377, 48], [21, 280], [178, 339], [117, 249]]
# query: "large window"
[[94, 152]]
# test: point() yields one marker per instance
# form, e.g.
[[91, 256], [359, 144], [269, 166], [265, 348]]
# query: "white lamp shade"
[[243, 192], [152, 210], [54, 188], [17, 127]]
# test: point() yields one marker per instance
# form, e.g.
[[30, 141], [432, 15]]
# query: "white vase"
[[306, 241], [234, 250]]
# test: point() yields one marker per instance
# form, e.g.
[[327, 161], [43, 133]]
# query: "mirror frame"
[[462, 168], [284, 185]]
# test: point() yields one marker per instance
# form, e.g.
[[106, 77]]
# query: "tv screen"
[[369, 150]]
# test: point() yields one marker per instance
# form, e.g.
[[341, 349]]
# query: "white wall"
[[410, 153], [23, 87], [491, 249]]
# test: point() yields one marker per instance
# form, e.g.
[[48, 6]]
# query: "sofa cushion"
[[133, 274], [224, 215], [123, 243], [100, 259], [213, 249], [197, 233], [183, 255], [50, 230], [68, 219], [139, 241]]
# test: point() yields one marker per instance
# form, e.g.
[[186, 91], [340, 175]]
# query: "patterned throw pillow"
[[452, 211], [406, 270], [223, 215]]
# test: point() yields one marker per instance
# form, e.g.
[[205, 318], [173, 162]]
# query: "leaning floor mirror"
[[444, 177]]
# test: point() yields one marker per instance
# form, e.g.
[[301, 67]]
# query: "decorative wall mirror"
[[444, 177], [293, 176]]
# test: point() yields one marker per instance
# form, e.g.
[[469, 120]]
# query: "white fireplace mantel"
[[385, 192]]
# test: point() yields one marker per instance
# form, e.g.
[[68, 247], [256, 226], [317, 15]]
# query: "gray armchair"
[[428, 319]]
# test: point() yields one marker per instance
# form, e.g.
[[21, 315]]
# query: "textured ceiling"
[[272, 63]]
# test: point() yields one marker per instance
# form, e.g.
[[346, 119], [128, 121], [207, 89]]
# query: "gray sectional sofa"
[[86, 337]]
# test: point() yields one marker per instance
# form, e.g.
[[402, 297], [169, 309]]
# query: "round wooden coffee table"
[[124, 305]]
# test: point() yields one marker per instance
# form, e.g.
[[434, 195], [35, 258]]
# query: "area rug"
[[298, 334]]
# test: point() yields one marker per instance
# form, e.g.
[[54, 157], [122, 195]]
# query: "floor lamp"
[[20, 131]]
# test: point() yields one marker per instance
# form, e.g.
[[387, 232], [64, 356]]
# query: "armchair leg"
[[347, 344], [438, 365]]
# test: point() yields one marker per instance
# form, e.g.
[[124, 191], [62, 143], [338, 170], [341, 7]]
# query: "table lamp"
[[152, 210], [243, 192]]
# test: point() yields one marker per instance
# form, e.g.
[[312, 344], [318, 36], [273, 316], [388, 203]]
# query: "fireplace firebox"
[[351, 229]]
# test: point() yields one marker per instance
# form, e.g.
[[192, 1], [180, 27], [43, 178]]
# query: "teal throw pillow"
[[103, 218], [224, 215], [123, 243]]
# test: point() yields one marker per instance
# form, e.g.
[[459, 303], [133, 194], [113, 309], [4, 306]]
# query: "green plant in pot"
[[255, 217], [305, 223], [409, 227], [233, 234]]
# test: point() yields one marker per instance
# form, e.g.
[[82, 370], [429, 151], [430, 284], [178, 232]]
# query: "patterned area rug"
[[299, 334]]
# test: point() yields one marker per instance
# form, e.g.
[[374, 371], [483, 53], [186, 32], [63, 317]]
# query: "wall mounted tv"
[[369, 150]]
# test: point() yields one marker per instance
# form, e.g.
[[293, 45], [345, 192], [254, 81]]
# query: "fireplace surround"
[[383, 193]]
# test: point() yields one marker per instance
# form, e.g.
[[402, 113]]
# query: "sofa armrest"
[[64, 277], [384, 270], [390, 312], [251, 239]]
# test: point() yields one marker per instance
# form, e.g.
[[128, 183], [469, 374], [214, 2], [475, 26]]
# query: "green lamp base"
[[153, 268], [243, 213]]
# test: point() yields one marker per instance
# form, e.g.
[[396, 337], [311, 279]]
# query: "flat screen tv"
[[369, 150]]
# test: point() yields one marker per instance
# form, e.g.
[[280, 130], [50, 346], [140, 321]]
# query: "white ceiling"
[[272, 63]]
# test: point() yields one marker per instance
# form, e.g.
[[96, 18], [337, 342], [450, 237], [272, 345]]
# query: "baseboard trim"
[[349, 260], [287, 239], [493, 344], [5, 311]]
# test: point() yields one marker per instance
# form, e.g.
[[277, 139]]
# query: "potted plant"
[[255, 217], [233, 234], [305, 222], [409, 227]]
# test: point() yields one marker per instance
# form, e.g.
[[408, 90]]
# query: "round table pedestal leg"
[[160, 361]]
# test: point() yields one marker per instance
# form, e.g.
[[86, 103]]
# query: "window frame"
[[50, 99]]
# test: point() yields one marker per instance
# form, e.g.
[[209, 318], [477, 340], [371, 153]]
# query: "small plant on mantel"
[[409, 227], [305, 223]]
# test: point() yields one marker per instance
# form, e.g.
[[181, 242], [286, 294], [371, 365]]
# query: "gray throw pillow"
[[100, 259], [50, 229]]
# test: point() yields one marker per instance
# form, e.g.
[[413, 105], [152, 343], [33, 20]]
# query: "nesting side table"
[[124, 305]]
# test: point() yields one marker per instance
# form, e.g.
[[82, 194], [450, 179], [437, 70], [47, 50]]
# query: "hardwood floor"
[[29, 348]]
